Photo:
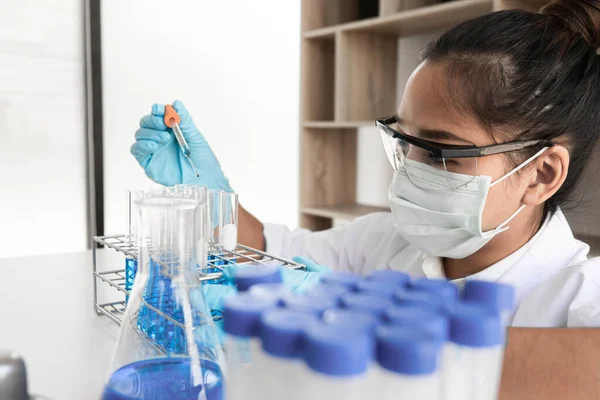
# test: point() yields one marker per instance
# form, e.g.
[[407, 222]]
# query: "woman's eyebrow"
[[435, 134]]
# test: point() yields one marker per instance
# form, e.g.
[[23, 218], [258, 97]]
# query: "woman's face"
[[425, 112]]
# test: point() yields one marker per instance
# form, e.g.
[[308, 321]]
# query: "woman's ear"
[[548, 175]]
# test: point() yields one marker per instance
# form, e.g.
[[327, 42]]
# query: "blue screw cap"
[[376, 287], [421, 299], [313, 304], [274, 291], [500, 297], [353, 319], [389, 275], [325, 290], [366, 303], [337, 350], [432, 323], [249, 276], [282, 331], [441, 287], [473, 325], [406, 351], [342, 278], [241, 314]]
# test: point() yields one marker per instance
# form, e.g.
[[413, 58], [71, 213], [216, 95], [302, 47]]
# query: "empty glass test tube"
[[214, 234], [229, 220]]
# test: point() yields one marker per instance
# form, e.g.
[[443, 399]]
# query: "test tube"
[[229, 220], [472, 365], [497, 296], [338, 358], [407, 364], [130, 262], [241, 323], [214, 233], [282, 336]]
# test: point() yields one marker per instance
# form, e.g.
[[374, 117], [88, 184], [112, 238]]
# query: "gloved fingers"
[[142, 150], [153, 122], [214, 295], [160, 137], [192, 135], [300, 281], [311, 266], [230, 271], [180, 108], [158, 110]]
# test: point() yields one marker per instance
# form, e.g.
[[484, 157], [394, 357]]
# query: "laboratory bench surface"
[[47, 314]]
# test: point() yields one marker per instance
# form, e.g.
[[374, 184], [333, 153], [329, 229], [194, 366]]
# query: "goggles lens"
[[404, 158]]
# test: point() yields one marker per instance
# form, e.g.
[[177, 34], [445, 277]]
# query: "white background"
[[235, 65]]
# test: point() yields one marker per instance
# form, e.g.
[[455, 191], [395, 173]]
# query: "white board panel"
[[42, 128]]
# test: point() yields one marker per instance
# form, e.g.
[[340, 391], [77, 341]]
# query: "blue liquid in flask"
[[168, 335], [130, 271], [163, 378]]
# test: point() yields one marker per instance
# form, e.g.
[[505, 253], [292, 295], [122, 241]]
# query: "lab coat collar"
[[550, 250]]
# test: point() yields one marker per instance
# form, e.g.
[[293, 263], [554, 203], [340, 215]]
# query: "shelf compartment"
[[366, 75], [348, 211], [420, 20], [318, 73], [328, 166], [323, 13], [390, 7]]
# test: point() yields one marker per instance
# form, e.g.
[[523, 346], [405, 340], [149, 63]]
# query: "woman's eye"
[[436, 159]]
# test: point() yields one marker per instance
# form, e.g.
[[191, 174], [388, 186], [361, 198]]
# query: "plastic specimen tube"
[[229, 220], [242, 346], [338, 358], [282, 335], [407, 364], [498, 296], [473, 362]]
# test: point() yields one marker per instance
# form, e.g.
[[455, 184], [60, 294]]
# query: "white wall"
[[42, 128], [235, 65]]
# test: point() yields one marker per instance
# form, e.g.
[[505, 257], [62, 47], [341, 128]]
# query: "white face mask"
[[444, 224]]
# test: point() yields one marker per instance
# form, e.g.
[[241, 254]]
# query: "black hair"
[[527, 75]]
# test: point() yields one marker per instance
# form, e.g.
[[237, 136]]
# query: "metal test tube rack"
[[115, 278]]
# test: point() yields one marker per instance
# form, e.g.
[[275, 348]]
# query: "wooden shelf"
[[337, 124], [411, 22], [343, 211]]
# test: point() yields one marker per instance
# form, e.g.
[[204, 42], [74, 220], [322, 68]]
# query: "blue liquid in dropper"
[[163, 378]]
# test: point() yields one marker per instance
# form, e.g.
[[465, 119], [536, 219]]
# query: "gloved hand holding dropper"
[[157, 151]]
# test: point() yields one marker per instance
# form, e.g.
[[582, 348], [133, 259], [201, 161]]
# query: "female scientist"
[[493, 133]]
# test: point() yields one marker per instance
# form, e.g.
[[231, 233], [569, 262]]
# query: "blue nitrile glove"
[[158, 152], [214, 297]]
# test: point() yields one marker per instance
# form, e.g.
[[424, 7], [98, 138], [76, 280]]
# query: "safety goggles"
[[403, 150]]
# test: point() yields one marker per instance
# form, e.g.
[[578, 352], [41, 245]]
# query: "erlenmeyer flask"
[[168, 346]]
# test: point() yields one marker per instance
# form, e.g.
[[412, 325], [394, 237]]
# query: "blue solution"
[[163, 332], [163, 378], [130, 271], [213, 263]]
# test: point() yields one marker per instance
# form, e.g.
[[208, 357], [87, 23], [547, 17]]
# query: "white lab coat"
[[556, 284]]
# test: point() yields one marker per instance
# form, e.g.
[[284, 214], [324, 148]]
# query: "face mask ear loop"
[[536, 155]]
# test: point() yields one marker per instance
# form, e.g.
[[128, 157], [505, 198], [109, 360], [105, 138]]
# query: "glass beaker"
[[168, 345]]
